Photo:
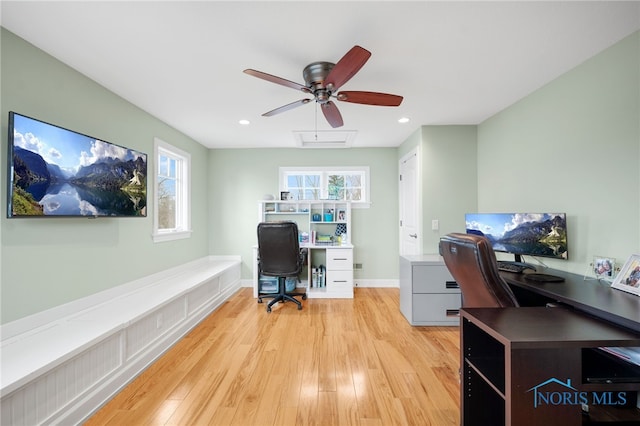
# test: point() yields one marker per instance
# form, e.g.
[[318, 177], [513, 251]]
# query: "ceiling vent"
[[324, 138]]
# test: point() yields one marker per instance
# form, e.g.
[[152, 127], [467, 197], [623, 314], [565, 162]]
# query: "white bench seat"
[[91, 348]]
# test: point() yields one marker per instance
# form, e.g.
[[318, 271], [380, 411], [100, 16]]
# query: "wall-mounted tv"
[[532, 234], [56, 172]]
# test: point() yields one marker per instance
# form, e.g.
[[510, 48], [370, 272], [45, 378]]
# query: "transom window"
[[326, 183]]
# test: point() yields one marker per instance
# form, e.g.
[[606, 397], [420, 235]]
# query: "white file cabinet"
[[428, 293]]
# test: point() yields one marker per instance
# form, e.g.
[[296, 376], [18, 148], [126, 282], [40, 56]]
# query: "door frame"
[[417, 196]]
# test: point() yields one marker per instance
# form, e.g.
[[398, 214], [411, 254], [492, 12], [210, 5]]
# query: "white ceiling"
[[454, 62]]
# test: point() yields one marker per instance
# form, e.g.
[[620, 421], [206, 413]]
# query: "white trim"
[[183, 219], [418, 185], [324, 171], [324, 138], [160, 237], [376, 283]]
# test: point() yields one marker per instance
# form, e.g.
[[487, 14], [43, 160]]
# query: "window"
[[172, 208], [322, 183]]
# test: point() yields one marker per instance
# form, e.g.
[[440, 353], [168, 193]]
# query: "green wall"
[[573, 146], [449, 176], [48, 262], [239, 178]]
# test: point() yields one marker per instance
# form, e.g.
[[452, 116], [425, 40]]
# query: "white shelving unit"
[[318, 223]]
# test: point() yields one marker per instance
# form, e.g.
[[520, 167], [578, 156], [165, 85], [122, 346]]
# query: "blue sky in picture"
[[65, 148], [497, 224]]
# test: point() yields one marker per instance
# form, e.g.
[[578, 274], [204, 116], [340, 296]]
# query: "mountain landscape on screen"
[[57, 172]]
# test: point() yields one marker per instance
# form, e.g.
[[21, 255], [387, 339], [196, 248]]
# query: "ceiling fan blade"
[[332, 114], [277, 80], [286, 107], [347, 67], [370, 98]]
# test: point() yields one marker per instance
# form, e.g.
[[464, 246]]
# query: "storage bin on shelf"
[[270, 284]]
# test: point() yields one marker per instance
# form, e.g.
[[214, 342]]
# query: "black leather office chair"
[[279, 256], [472, 263]]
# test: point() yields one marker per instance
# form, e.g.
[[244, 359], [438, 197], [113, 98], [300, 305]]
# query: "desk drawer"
[[433, 279], [339, 259], [436, 307], [339, 279]]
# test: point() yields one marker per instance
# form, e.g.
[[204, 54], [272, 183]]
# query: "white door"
[[410, 229]]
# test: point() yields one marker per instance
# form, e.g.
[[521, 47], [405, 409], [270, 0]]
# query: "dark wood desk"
[[508, 354], [590, 296], [532, 366]]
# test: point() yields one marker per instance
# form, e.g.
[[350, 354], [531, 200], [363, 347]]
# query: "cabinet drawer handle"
[[339, 258], [453, 312], [451, 284], [340, 281]]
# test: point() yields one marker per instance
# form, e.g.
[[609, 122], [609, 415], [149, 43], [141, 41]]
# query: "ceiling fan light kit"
[[323, 79]]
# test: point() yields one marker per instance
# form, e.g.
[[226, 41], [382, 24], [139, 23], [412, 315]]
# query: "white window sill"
[[170, 236]]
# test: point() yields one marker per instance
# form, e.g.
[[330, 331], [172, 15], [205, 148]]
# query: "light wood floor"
[[335, 362]]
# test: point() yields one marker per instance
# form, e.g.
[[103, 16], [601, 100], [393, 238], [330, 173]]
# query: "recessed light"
[[403, 120], [244, 122]]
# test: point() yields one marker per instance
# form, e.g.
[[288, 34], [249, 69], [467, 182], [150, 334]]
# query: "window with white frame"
[[327, 183], [172, 208]]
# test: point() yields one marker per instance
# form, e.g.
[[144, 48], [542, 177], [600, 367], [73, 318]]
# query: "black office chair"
[[472, 263], [279, 256]]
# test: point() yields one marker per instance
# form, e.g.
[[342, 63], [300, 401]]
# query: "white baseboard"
[[384, 283], [381, 283], [393, 283]]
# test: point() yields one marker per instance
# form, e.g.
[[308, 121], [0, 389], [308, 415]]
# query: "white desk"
[[338, 260]]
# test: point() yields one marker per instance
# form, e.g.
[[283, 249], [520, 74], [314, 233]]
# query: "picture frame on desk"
[[284, 195], [628, 279], [603, 267]]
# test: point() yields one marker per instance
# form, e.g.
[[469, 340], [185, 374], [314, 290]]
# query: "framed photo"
[[628, 279], [341, 215], [284, 195], [603, 267]]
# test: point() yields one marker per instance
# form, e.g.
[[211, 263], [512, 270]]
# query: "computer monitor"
[[530, 234]]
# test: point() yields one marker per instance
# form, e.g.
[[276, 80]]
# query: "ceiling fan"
[[323, 79]]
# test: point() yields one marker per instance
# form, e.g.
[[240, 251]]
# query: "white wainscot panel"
[[40, 399]]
